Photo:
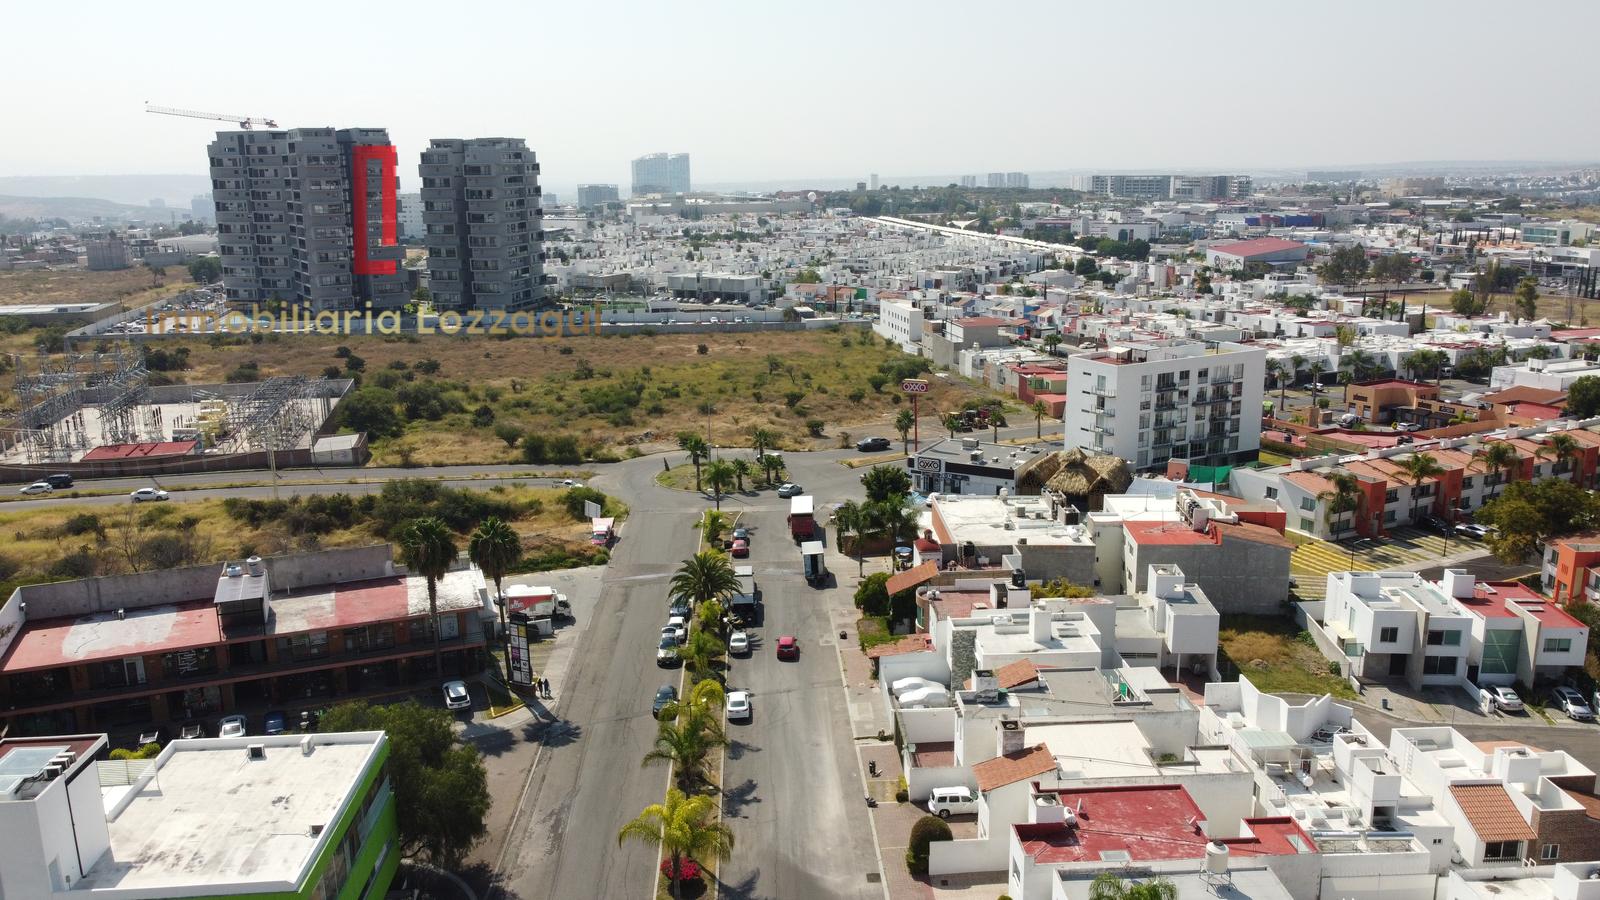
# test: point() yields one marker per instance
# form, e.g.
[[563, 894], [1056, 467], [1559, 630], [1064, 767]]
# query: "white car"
[[146, 495], [38, 487], [231, 726], [675, 632], [568, 482], [1571, 703], [456, 696], [739, 705], [788, 489], [738, 643], [945, 802], [1504, 698]]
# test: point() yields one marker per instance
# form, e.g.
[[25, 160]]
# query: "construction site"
[[94, 415]]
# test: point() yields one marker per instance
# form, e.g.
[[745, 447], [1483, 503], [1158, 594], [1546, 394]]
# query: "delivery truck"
[[537, 602], [811, 558], [802, 522]]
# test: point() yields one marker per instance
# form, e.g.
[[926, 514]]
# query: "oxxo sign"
[[931, 465], [914, 386]]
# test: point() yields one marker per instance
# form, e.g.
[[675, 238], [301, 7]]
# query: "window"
[[1439, 665], [1272, 493], [1391, 496], [1502, 850], [1308, 503], [1557, 645], [1388, 515], [1444, 638], [1388, 635], [1306, 525], [1550, 852]]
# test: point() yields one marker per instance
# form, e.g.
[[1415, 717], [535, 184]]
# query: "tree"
[[1314, 374], [693, 444], [762, 440], [1425, 363], [1417, 468], [742, 470], [924, 832], [703, 576], [1395, 267], [892, 517], [1111, 886], [1345, 496], [1275, 373], [683, 828], [1527, 298], [371, 409], [904, 421], [1464, 302], [494, 548], [1039, 410], [1583, 397], [713, 525], [847, 519], [1085, 265], [1344, 266], [1563, 448], [1501, 458], [872, 595], [508, 432], [1529, 514], [719, 476], [440, 787], [1051, 342], [205, 269], [885, 482], [428, 548], [700, 652]]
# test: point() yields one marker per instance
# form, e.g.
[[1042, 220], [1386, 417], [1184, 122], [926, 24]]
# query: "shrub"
[[483, 416], [793, 398], [701, 349], [147, 751], [84, 523], [245, 373], [872, 597], [508, 432], [427, 366], [575, 498], [814, 427], [927, 830]]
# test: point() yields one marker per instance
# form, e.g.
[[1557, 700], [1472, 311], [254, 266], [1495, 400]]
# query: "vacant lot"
[[1271, 653], [131, 286], [610, 392]]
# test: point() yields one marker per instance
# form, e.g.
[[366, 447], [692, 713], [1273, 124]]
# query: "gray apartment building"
[[593, 195], [481, 207], [308, 216], [661, 173]]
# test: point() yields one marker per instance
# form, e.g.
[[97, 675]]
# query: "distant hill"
[[78, 209], [137, 190]]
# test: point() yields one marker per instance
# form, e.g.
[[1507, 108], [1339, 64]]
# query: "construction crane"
[[245, 122]]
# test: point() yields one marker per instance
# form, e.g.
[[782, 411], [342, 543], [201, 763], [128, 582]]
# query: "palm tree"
[[1275, 372], [847, 519], [1417, 468], [1562, 448], [703, 576], [428, 548], [711, 618], [1039, 410], [719, 476], [494, 548], [1296, 361], [700, 653], [1051, 342], [742, 470], [694, 445], [682, 827], [950, 421], [1315, 372], [713, 525], [1110, 886], [762, 440], [684, 739], [894, 518], [1502, 458], [1345, 496], [904, 421]]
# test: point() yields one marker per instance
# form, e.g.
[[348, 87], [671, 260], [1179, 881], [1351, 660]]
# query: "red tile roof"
[[1014, 767], [911, 643], [1491, 812], [1525, 394], [980, 321], [1257, 247], [1021, 672], [1250, 531], [911, 577]]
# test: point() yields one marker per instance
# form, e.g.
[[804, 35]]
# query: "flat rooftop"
[[982, 520], [209, 815]]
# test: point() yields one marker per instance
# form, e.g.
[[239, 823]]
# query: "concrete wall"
[[1238, 576], [964, 856]]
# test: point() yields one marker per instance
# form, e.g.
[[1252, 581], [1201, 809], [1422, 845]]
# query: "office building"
[[1172, 187], [480, 202], [1016, 179], [248, 817], [661, 173], [412, 228], [201, 209], [309, 216], [996, 179], [874, 180], [595, 195], [1161, 399], [969, 181], [1132, 187]]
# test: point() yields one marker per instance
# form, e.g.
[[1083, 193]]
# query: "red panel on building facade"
[[388, 159]]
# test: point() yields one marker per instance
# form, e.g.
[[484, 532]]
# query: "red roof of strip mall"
[[1257, 246], [1147, 822]]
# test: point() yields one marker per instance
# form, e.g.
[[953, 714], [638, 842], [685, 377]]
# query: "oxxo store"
[[967, 466]]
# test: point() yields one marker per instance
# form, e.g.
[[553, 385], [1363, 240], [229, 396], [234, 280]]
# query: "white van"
[[952, 801]]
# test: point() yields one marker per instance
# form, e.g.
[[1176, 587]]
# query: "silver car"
[[1571, 703]]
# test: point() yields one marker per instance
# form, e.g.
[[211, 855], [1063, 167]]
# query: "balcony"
[[1101, 392]]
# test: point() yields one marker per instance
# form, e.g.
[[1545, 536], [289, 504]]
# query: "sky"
[[761, 90]]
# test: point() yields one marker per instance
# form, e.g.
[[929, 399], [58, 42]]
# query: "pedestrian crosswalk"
[[1313, 560]]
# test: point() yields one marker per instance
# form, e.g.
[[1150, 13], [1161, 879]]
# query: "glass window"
[[1557, 645], [1439, 665], [1440, 638], [1501, 850], [1308, 503], [1550, 852], [1306, 525], [1501, 650], [1388, 635]]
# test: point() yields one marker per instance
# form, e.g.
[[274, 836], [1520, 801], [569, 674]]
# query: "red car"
[[741, 548], [788, 647]]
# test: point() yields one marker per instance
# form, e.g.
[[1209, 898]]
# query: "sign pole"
[[916, 387]]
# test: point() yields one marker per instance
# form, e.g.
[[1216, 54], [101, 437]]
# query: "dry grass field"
[[130, 286]]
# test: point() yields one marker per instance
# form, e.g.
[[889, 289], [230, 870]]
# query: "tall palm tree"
[[1345, 496], [847, 520], [494, 548], [762, 440], [719, 476], [694, 445], [1562, 448], [1051, 342], [684, 739], [894, 518], [1314, 372], [1039, 410], [1296, 361], [683, 828], [950, 421], [703, 576], [1275, 372], [428, 548], [904, 421], [742, 470], [1502, 458], [1419, 467], [1110, 886]]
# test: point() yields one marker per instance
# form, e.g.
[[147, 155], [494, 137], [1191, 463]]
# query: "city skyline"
[[1266, 123]]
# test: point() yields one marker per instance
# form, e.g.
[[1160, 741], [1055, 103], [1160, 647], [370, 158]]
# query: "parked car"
[[456, 696], [1473, 530], [231, 726], [677, 627], [155, 734], [570, 482], [789, 489], [1569, 701], [873, 443], [788, 647], [59, 482], [741, 534], [1504, 698], [678, 609], [739, 706], [1434, 524], [192, 730], [1407, 427], [1404, 439], [38, 487], [146, 495], [945, 802], [739, 643], [274, 722], [740, 549], [667, 652], [665, 695]]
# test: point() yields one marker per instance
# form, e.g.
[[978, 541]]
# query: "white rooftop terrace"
[[984, 520], [1086, 751], [208, 815]]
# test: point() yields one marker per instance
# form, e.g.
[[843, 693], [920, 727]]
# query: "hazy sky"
[[765, 89]]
